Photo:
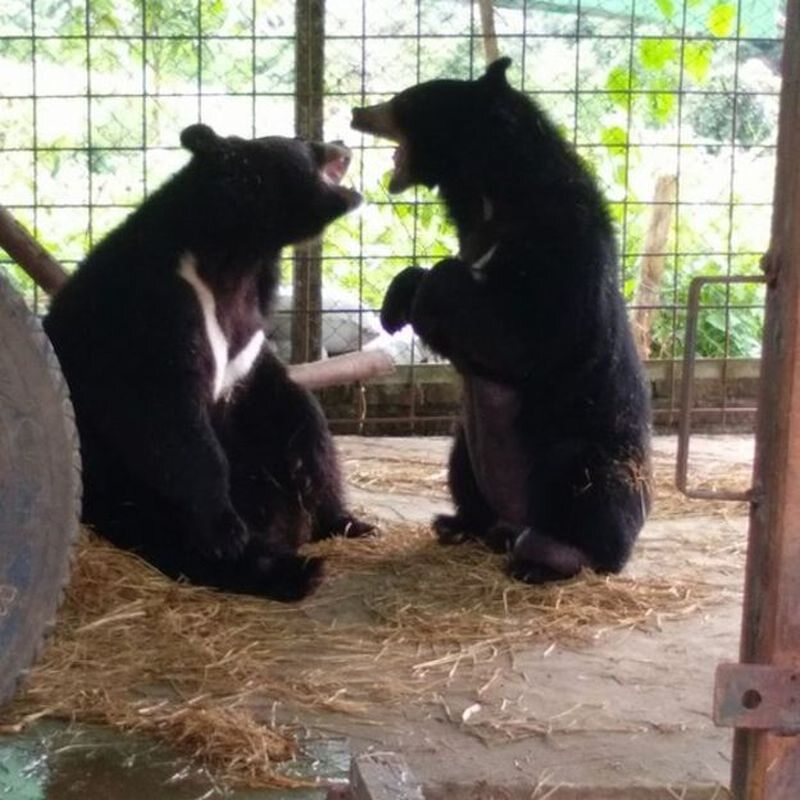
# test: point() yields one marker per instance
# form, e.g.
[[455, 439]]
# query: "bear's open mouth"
[[379, 120], [334, 170], [400, 159], [335, 162]]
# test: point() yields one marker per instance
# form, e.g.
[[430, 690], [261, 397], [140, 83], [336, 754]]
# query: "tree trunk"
[[491, 49], [648, 290]]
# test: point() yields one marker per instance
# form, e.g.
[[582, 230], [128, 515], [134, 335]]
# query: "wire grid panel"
[[94, 94], [647, 91]]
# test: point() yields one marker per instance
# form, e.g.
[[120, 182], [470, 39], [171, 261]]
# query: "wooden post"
[[766, 766], [309, 61]]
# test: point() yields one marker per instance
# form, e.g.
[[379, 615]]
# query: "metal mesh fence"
[[672, 103]]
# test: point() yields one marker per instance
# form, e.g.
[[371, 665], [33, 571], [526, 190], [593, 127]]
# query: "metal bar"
[[766, 766], [687, 389]]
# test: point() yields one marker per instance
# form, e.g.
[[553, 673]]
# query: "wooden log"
[[339, 370], [648, 289], [29, 254]]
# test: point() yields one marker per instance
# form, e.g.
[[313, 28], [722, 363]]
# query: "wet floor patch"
[[53, 761]]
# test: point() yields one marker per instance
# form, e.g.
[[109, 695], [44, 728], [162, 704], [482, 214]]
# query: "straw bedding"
[[397, 620]]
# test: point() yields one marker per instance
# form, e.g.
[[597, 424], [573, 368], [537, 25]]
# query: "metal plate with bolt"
[[758, 697]]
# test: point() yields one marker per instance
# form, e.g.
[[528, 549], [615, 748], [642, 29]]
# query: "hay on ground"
[[398, 617]]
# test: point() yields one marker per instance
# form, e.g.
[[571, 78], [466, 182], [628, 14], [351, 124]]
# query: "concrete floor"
[[629, 715], [639, 701]]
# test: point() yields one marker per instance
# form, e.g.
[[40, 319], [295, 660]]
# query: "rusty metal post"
[[766, 765], [687, 389], [309, 88]]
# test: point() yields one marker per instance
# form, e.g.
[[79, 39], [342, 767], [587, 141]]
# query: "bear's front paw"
[[226, 538], [533, 573], [289, 577], [451, 529], [501, 536], [396, 309], [352, 528]]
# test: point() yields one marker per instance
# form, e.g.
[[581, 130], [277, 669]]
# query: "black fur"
[[551, 461], [221, 490]]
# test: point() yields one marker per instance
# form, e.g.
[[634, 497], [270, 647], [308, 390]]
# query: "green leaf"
[[619, 80], [657, 53], [697, 59], [615, 139], [661, 103], [619, 83], [722, 19], [667, 7], [617, 211], [662, 106]]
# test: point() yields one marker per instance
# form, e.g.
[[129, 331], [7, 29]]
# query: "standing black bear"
[[551, 460], [198, 451]]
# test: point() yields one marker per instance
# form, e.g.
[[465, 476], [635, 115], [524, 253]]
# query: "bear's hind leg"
[[538, 558], [473, 517], [331, 517], [131, 516], [285, 479], [159, 438], [590, 511]]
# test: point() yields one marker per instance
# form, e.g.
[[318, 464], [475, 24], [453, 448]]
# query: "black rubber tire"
[[39, 487]]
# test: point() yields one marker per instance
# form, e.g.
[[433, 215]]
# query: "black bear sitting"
[[552, 459], [198, 451]]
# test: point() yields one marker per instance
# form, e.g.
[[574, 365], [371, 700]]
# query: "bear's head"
[[265, 192], [427, 122]]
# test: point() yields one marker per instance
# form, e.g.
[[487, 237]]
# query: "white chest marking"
[[239, 366], [227, 371], [478, 267]]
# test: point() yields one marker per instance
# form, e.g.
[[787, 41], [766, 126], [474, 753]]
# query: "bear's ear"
[[495, 74], [200, 139]]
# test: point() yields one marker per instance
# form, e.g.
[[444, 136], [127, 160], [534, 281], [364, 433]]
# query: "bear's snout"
[[378, 120]]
